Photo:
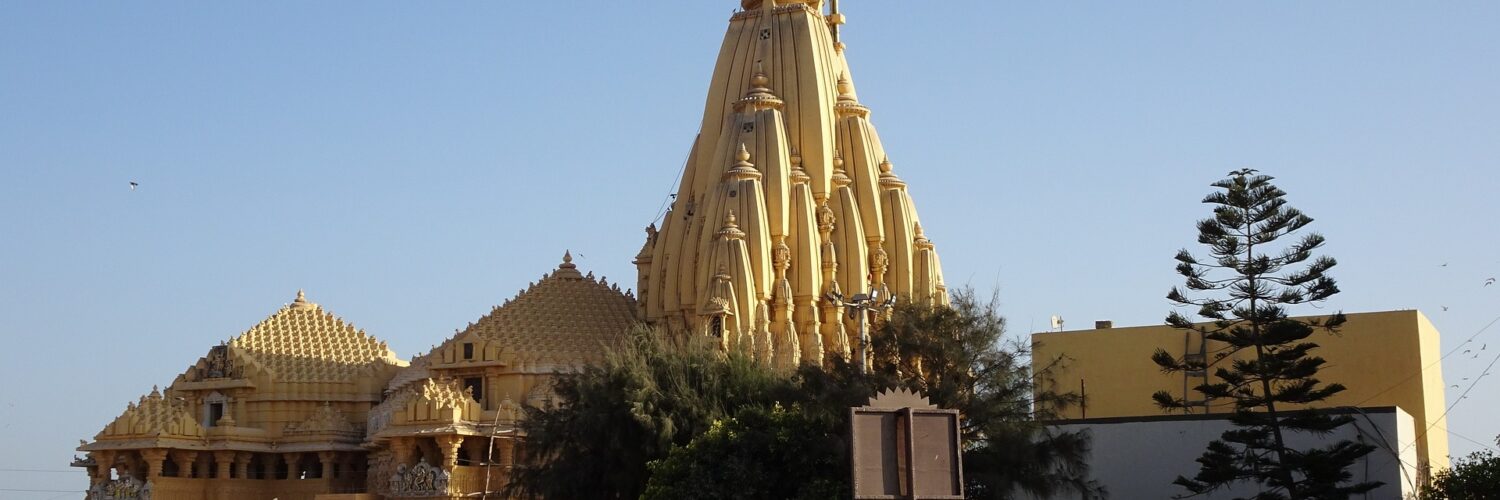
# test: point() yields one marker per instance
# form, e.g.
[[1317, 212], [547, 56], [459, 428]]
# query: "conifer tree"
[[1262, 359]]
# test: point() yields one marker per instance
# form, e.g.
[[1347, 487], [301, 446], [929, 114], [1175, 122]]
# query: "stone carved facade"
[[788, 195]]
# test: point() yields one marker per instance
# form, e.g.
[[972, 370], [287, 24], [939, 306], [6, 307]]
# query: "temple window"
[[214, 406], [716, 326], [468, 350], [476, 387]]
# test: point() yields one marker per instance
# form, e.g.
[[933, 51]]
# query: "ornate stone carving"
[[121, 489], [420, 480]]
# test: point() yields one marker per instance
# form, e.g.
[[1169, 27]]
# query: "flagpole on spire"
[[834, 20]]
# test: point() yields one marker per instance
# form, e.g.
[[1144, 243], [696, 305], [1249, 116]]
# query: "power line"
[[1460, 399], [1432, 364]]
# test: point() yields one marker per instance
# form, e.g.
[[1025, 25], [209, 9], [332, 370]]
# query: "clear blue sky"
[[412, 165]]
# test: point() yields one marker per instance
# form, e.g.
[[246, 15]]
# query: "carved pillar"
[[153, 458], [222, 462], [186, 462], [326, 458], [242, 464], [401, 451], [507, 452], [104, 462], [293, 465], [449, 444]]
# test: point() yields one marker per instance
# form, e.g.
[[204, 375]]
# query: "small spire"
[[301, 301], [887, 177], [840, 177], [731, 229], [565, 270], [848, 102], [742, 169]]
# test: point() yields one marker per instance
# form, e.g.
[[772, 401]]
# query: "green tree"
[[650, 394], [1476, 477], [1267, 372], [959, 356], [663, 419], [758, 453]]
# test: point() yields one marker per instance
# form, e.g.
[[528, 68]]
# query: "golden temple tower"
[[786, 197]]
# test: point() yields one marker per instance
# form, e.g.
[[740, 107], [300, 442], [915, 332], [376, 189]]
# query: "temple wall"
[[177, 488]]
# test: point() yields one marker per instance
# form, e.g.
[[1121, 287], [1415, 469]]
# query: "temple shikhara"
[[787, 197]]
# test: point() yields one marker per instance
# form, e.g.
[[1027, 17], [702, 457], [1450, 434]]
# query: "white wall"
[[1139, 458]]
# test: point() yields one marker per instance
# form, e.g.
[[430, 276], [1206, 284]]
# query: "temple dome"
[[304, 343], [566, 315]]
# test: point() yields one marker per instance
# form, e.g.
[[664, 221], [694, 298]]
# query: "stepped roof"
[[304, 343], [566, 316]]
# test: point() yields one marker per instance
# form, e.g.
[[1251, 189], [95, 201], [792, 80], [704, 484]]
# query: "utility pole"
[[859, 307]]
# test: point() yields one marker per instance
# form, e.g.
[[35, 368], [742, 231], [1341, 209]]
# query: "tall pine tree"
[[1261, 358]]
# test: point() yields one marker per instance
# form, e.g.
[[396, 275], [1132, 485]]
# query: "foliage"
[[758, 453], [663, 419], [647, 396], [1476, 477], [1268, 372], [959, 357]]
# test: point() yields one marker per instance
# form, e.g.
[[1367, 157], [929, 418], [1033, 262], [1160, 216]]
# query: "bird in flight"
[[1445, 264], [1445, 308], [1489, 282], [133, 185]]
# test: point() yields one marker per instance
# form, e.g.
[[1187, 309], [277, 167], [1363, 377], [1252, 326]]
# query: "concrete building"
[[1139, 457], [1389, 359]]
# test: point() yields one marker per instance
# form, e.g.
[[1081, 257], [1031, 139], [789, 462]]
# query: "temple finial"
[[835, 19], [567, 262]]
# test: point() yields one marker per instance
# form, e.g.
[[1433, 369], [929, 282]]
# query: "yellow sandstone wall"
[[1382, 358]]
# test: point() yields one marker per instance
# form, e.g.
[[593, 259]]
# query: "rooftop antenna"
[[1057, 323]]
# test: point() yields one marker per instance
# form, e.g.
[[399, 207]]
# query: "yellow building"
[[788, 195], [1385, 359]]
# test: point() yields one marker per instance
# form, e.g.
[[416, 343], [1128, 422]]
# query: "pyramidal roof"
[[304, 343], [788, 195], [566, 315]]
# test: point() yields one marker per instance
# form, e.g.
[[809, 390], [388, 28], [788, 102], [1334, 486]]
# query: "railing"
[[469, 479]]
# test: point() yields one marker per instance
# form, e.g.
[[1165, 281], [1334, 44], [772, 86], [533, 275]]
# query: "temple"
[[788, 197]]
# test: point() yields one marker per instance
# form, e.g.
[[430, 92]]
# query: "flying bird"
[[133, 185], [1466, 351], [1489, 282], [1445, 308], [1445, 264]]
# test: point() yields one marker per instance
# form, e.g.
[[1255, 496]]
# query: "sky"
[[411, 165]]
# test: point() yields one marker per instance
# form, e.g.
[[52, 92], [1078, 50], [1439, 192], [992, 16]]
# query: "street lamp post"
[[859, 305]]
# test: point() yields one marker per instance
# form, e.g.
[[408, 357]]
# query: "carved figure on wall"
[[219, 364], [420, 480], [128, 488]]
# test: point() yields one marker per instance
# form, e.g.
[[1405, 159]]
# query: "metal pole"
[[864, 342]]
